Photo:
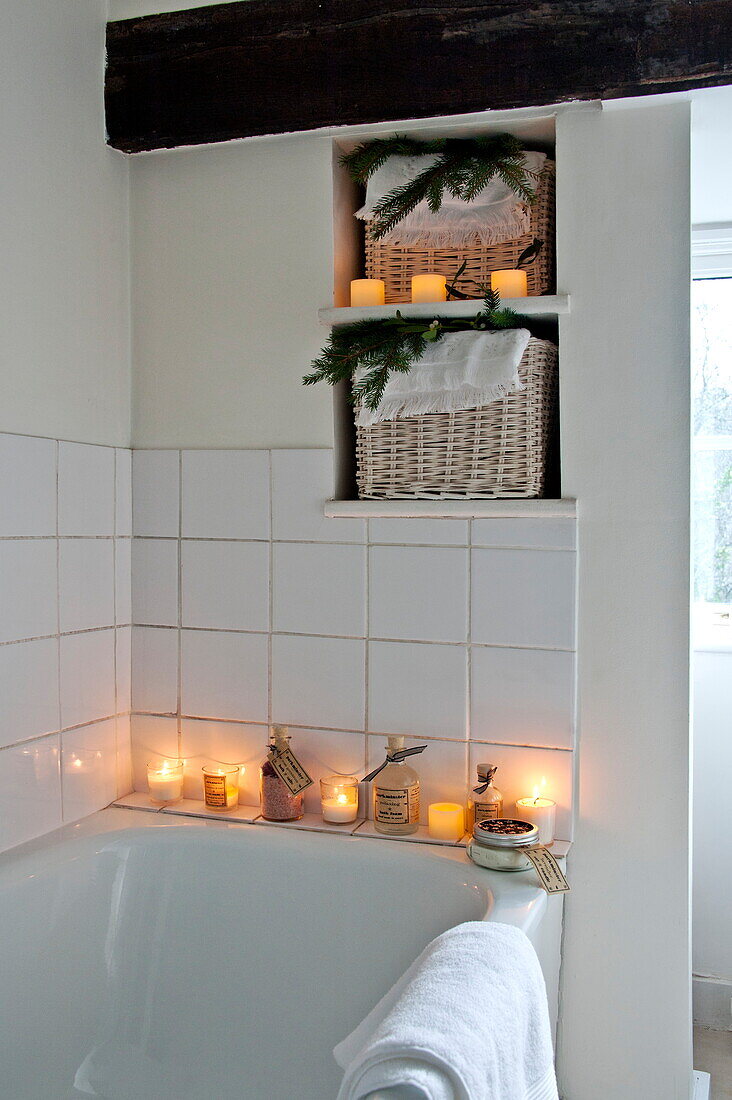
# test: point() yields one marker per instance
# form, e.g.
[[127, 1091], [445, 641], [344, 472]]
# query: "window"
[[711, 341]]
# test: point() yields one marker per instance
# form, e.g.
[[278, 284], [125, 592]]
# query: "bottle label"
[[214, 790], [397, 807], [484, 810], [548, 870], [290, 770]]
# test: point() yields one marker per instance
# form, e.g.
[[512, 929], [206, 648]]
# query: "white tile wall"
[[461, 632], [64, 584]]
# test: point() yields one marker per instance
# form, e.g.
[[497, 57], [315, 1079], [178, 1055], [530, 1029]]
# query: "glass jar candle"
[[221, 786], [165, 781], [339, 799], [499, 844]]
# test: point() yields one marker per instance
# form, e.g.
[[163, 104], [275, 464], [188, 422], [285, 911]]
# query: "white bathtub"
[[146, 956]]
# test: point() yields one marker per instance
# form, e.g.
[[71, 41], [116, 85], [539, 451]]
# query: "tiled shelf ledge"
[[450, 509], [546, 307], [313, 823]]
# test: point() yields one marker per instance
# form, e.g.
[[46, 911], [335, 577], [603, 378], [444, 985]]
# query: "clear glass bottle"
[[275, 798], [484, 800], [396, 795]]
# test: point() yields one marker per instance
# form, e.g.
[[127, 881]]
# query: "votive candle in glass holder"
[[339, 799], [446, 821], [510, 283], [165, 780], [429, 288], [541, 812], [367, 292], [221, 786]]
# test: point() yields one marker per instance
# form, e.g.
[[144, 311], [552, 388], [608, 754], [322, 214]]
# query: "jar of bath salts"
[[276, 800], [499, 844]]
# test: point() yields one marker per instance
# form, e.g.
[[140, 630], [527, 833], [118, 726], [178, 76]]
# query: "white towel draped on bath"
[[463, 370], [468, 1021], [496, 214]]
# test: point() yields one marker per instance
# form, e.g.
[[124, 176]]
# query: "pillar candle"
[[428, 288], [510, 283], [541, 812], [446, 821], [367, 292]]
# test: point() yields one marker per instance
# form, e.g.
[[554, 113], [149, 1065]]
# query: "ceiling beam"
[[273, 66]]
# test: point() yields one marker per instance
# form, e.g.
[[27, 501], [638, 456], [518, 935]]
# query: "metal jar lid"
[[505, 832]]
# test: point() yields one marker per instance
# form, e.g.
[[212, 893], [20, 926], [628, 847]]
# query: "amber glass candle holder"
[[221, 786]]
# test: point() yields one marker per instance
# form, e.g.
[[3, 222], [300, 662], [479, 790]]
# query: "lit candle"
[[339, 799], [221, 787], [541, 812], [446, 821], [428, 288], [510, 283], [367, 292], [165, 781]]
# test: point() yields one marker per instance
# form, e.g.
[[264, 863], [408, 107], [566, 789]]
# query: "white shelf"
[[546, 308], [451, 509]]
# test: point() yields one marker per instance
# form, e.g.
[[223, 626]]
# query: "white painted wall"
[[711, 161], [64, 313], [712, 943], [232, 253], [133, 9], [623, 236]]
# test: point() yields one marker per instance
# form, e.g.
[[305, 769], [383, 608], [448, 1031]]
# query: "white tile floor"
[[713, 1054]]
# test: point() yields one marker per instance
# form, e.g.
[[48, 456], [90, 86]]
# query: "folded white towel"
[[496, 214], [468, 1021], [463, 370]]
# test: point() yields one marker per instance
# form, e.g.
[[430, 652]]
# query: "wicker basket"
[[397, 265], [499, 450]]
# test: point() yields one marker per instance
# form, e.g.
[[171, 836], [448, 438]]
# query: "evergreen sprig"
[[464, 166], [394, 344]]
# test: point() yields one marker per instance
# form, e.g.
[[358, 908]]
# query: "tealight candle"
[[429, 288], [367, 292], [541, 812], [339, 799], [221, 786], [510, 283], [446, 821], [165, 780]]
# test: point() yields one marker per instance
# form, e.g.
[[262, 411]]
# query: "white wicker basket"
[[499, 450]]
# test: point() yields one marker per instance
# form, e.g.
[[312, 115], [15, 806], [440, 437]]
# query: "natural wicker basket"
[[396, 266], [499, 450]]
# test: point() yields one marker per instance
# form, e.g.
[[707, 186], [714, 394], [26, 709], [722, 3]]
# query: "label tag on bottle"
[[548, 870], [290, 770], [400, 807], [214, 790]]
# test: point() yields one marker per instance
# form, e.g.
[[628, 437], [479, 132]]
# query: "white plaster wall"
[[623, 233], [712, 952], [711, 162], [64, 310], [232, 255]]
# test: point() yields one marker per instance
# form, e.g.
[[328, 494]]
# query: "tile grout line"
[[58, 627], [179, 551]]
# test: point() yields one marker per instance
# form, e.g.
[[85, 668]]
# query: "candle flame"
[[536, 795], [77, 762], [342, 799]]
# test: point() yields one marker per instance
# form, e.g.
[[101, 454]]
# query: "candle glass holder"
[[221, 786], [339, 799], [541, 812], [165, 781]]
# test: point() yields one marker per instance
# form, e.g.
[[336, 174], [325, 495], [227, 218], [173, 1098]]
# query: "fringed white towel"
[[497, 214], [463, 370], [468, 1021]]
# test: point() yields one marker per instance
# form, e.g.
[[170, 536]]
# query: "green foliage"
[[379, 347], [462, 169]]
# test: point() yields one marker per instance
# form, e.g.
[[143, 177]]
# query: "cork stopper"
[[393, 744], [486, 772], [280, 737]]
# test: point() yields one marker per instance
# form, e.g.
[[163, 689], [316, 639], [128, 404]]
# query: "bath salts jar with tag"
[[499, 844], [277, 801]]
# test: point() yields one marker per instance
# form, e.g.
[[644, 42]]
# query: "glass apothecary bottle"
[[276, 801], [396, 794], [484, 800]]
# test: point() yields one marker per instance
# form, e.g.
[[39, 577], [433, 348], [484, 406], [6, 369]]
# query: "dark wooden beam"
[[272, 66]]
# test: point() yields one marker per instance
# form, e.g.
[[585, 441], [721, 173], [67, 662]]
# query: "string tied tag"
[[394, 757]]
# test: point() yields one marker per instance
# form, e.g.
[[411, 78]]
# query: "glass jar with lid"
[[499, 844]]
